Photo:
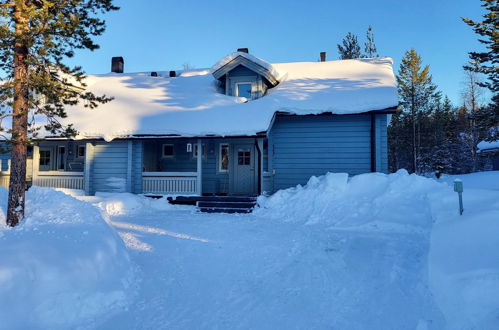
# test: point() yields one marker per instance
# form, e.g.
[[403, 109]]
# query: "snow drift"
[[335, 199], [63, 267]]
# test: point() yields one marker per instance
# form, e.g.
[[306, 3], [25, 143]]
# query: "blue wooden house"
[[243, 127]]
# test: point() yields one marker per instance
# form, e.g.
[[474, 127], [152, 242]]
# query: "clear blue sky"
[[158, 35]]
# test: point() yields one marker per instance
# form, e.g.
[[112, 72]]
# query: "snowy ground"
[[373, 251]]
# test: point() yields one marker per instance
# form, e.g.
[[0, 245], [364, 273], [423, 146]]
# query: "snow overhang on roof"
[[488, 146], [255, 64], [190, 105]]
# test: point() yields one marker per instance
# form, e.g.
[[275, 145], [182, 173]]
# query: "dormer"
[[244, 75]]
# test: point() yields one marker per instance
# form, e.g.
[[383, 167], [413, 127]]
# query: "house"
[[490, 149], [243, 127]]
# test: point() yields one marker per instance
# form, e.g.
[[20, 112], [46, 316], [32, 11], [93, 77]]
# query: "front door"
[[244, 180], [45, 159]]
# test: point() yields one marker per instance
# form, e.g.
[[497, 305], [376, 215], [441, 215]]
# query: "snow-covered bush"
[[63, 267]]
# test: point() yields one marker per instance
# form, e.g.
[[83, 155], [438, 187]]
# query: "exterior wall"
[[109, 167], [137, 166], [303, 146]]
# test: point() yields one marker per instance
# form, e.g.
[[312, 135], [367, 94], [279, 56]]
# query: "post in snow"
[[458, 187]]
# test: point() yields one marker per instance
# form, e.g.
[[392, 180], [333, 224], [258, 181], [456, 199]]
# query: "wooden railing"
[[55, 179], [169, 183]]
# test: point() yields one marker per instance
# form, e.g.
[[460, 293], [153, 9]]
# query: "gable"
[[252, 63]]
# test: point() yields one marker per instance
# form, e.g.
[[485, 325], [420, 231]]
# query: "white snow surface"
[[64, 267], [190, 105], [488, 145], [371, 251]]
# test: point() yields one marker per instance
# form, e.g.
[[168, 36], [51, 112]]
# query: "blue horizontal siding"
[[303, 146], [110, 161]]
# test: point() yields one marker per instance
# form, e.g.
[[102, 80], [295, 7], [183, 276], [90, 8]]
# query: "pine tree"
[[416, 94], [35, 37], [486, 62], [369, 45], [350, 48]]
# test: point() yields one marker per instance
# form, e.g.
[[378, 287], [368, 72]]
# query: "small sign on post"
[[458, 187]]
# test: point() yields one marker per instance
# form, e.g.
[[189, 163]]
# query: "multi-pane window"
[[243, 157], [44, 157], [224, 158]]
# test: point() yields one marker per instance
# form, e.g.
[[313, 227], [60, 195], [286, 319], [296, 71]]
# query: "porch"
[[52, 164], [212, 166]]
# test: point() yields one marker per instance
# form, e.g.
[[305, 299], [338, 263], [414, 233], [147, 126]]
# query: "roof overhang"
[[253, 66]]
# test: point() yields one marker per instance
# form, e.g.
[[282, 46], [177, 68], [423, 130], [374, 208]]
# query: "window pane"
[[167, 150], [224, 157], [44, 157], [81, 151], [244, 90]]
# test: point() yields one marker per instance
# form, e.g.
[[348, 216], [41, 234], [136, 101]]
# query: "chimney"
[[173, 74], [243, 50], [117, 64], [323, 56]]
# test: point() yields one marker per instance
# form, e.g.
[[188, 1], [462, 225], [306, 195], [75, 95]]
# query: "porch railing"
[[169, 183], [55, 179]]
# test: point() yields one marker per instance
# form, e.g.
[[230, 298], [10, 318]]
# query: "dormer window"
[[244, 89], [244, 75]]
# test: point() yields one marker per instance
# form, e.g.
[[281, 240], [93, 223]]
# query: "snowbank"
[[464, 254], [334, 199], [63, 267]]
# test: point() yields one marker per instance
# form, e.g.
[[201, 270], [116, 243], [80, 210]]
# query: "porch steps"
[[218, 204]]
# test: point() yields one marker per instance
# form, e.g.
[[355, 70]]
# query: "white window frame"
[[236, 88], [163, 150], [195, 151], [220, 169], [78, 147]]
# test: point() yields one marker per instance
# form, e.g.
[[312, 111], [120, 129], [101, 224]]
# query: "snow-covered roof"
[[486, 146], [190, 104]]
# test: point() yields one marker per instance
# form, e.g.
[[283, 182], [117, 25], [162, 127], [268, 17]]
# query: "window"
[[80, 152], [167, 150], [203, 151], [244, 90], [244, 157], [44, 157], [223, 155]]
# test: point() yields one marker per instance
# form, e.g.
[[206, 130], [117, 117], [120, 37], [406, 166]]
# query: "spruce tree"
[[486, 61], [350, 48], [35, 38], [416, 94], [369, 45]]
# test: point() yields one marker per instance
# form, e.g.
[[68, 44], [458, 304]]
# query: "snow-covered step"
[[224, 204], [224, 210], [192, 200]]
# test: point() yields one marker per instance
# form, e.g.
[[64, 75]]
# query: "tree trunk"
[[17, 186]]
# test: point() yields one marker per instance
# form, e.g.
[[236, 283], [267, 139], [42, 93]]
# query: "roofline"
[[158, 136], [385, 111]]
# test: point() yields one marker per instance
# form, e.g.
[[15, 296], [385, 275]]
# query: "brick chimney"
[[117, 64], [323, 56]]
